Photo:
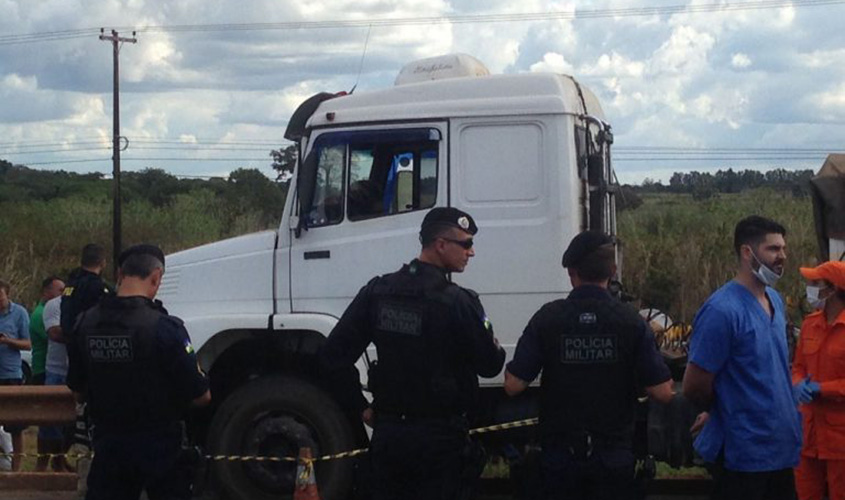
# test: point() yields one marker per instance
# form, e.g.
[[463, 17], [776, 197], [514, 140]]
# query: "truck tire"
[[275, 416]]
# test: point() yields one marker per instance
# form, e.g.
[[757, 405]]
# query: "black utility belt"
[[409, 418], [136, 430], [583, 443]]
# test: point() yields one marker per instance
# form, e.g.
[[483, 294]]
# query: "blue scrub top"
[[754, 419]]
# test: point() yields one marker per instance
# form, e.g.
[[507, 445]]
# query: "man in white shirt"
[[51, 439]]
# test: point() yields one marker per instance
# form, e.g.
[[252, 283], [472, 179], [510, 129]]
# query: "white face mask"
[[764, 273], [813, 298]]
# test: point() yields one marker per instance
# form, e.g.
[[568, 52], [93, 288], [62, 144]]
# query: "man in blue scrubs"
[[738, 370]]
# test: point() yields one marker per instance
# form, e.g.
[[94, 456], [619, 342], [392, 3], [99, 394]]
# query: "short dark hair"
[[140, 265], [753, 230], [45, 284], [597, 265], [430, 232], [4, 285], [92, 255]]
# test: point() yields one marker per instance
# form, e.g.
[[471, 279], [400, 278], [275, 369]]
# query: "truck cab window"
[[388, 172], [397, 178]]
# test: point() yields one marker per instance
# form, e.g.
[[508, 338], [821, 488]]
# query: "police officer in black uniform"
[[433, 341], [596, 353], [137, 370], [85, 287]]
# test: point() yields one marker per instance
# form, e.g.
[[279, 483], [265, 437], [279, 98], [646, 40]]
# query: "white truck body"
[[508, 158], [527, 155]]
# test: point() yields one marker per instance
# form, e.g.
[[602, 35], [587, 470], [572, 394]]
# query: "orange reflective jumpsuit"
[[821, 354]]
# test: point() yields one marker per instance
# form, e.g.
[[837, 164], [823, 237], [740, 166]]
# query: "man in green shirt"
[[50, 287]]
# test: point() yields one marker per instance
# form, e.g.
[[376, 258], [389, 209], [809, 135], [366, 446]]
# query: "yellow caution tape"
[[259, 458], [507, 425]]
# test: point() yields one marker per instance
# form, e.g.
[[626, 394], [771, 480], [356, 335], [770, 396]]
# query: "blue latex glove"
[[806, 390], [815, 389]]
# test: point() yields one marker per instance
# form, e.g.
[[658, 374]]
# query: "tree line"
[[245, 190], [705, 184]]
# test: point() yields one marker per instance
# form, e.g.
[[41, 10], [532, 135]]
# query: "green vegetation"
[[677, 243], [678, 250], [46, 217]]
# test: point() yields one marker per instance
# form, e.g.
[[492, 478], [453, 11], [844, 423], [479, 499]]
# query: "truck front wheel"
[[276, 416]]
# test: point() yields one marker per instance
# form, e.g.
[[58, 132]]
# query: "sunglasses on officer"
[[465, 244]]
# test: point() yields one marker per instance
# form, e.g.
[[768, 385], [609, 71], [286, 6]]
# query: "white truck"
[[528, 155]]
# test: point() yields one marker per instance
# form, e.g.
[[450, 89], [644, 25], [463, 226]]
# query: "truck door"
[[362, 194]]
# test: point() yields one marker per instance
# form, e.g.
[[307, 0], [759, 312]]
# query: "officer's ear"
[[155, 277]]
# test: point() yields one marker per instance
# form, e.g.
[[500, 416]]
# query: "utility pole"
[[116, 41]]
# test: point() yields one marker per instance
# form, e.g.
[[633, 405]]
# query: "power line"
[[494, 18], [60, 162], [575, 14]]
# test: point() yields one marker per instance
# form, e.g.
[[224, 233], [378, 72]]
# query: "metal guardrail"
[[37, 405]]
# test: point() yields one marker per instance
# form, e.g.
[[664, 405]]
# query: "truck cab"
[[528, 155]]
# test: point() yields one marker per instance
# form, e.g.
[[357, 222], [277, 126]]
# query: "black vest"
[[422, 369], [84, 290], [127, 388], [589, 380]]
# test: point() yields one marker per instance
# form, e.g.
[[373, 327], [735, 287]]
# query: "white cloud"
[[552, 63], [684, 53], [740, 60], [614, 65], [689, 79], [16, 82], [830, 104]]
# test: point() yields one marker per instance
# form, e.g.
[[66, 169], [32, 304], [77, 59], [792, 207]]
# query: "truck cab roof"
[[512, 94]]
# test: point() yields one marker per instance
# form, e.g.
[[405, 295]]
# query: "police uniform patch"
[[488, 325], [584, 349], [587, 318], [398, 318], [188, 347], [110, 349]]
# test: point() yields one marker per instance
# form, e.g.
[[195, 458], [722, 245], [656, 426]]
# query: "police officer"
[[595, 353], [85, 286], [138, 372], [433, 341]]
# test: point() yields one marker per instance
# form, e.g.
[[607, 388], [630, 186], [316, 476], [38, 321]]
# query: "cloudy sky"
[[697, 88]]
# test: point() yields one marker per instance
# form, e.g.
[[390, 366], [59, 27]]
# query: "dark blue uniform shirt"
[[528, 359]]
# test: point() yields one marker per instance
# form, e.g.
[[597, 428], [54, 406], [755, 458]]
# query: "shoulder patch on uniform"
[[68, 291], [188, 347]]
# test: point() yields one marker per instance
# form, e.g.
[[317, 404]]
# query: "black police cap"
[[583, 245], [142, 249], [450, 216]]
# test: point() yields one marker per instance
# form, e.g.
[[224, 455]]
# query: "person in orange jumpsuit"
[[818, 375]]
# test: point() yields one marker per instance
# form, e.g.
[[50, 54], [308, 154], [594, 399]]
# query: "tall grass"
[[38, 239], [677, 251]]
